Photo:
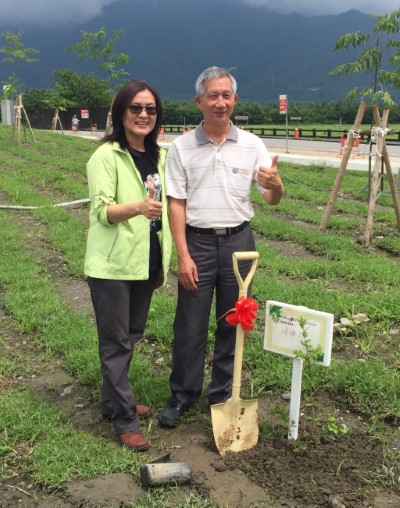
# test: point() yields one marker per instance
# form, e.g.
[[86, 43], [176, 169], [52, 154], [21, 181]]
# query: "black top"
[[151, 178]]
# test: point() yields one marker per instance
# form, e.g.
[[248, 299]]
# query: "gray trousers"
[[213, 257], [121, 309]]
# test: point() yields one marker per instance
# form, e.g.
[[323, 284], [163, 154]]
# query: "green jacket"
[[121, 251]]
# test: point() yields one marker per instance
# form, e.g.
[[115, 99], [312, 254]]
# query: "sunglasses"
[[136, 109]]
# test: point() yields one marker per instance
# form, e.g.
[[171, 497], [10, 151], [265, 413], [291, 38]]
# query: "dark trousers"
[[121, 309], [213, 257]]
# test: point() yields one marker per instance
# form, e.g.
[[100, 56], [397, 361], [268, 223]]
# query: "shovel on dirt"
[[235, 421]]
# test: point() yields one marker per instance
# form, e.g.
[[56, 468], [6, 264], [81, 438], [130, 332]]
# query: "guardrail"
[[325, 134]]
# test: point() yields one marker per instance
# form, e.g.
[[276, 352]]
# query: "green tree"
[[16, 53], [254, 111], [35, 99], [10, 87], [96, 46], [74, 89], [370, 59], [391, 25]]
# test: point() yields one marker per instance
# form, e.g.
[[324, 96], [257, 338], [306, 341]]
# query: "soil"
[[319, 469]]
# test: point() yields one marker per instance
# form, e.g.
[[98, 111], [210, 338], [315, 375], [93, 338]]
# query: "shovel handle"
[[243, 286], [244, 256]]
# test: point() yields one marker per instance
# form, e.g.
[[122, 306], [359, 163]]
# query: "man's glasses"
[[136, 109]]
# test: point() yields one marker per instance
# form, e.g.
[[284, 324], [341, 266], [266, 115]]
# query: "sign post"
[[283, 111], [284, 335]]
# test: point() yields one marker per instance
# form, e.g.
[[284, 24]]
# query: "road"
[[306, 151], [329, 153]]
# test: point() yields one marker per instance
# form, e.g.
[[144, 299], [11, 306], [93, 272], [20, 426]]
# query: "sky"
[[23, 12]]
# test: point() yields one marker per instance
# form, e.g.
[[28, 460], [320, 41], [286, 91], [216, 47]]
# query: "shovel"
[[235, 421]]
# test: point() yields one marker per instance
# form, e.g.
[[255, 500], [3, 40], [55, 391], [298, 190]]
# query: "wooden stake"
[[375, 178], [381, 156], [18, 110], [392, 185], [390, 175], [108, 124], [56, 120], [343, 164], [17, 119]]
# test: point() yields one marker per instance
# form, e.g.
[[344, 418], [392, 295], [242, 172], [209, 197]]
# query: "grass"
[[59, 452], [328, 271]]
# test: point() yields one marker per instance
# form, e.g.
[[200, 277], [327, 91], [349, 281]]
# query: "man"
[[209, 174]]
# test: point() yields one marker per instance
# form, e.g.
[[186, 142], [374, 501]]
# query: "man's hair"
[[212, 73]]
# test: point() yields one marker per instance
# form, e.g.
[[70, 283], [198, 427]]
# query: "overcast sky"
[[23, 12]]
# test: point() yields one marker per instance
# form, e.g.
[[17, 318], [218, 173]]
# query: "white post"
[[295, 396], [7, 112], [287, 134]]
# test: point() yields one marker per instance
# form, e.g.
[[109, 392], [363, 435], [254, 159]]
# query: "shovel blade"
[[235, 425]]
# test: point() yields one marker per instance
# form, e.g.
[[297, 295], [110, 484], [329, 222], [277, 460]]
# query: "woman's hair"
[[118, 108], [211, 73]]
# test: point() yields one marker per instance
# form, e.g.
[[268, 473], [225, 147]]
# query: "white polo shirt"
[[215, 180]]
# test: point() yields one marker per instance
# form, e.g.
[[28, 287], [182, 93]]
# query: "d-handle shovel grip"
[[244, 256], [243, 287]]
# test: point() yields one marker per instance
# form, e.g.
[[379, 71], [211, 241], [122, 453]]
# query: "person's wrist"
[[183, 257]]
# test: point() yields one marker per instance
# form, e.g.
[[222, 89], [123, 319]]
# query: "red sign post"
[[283, 104]]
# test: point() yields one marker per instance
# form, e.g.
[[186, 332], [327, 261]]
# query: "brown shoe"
[[143, 411], [134, 440]]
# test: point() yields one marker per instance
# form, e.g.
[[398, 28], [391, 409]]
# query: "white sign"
[[291, 329], [284, 335]]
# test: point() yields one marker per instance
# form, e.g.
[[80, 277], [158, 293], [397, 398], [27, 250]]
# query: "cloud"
[[22, 12], [315, 7]]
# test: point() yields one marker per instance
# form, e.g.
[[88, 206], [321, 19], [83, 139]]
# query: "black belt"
[[218, 231]]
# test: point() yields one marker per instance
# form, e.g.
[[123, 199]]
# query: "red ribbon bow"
[[243, 313]]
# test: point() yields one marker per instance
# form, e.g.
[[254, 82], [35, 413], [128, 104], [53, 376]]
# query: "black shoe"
[[171, 415]]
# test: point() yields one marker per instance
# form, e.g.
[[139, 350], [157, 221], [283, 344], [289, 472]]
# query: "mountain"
[[171, 41]]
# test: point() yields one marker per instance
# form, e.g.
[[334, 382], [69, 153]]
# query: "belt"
[[218, 231]]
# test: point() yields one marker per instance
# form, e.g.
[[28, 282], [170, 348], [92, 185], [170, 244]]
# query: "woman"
[[74, 124], [128, 246]]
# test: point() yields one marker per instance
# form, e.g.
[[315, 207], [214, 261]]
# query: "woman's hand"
[[149, 207]]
